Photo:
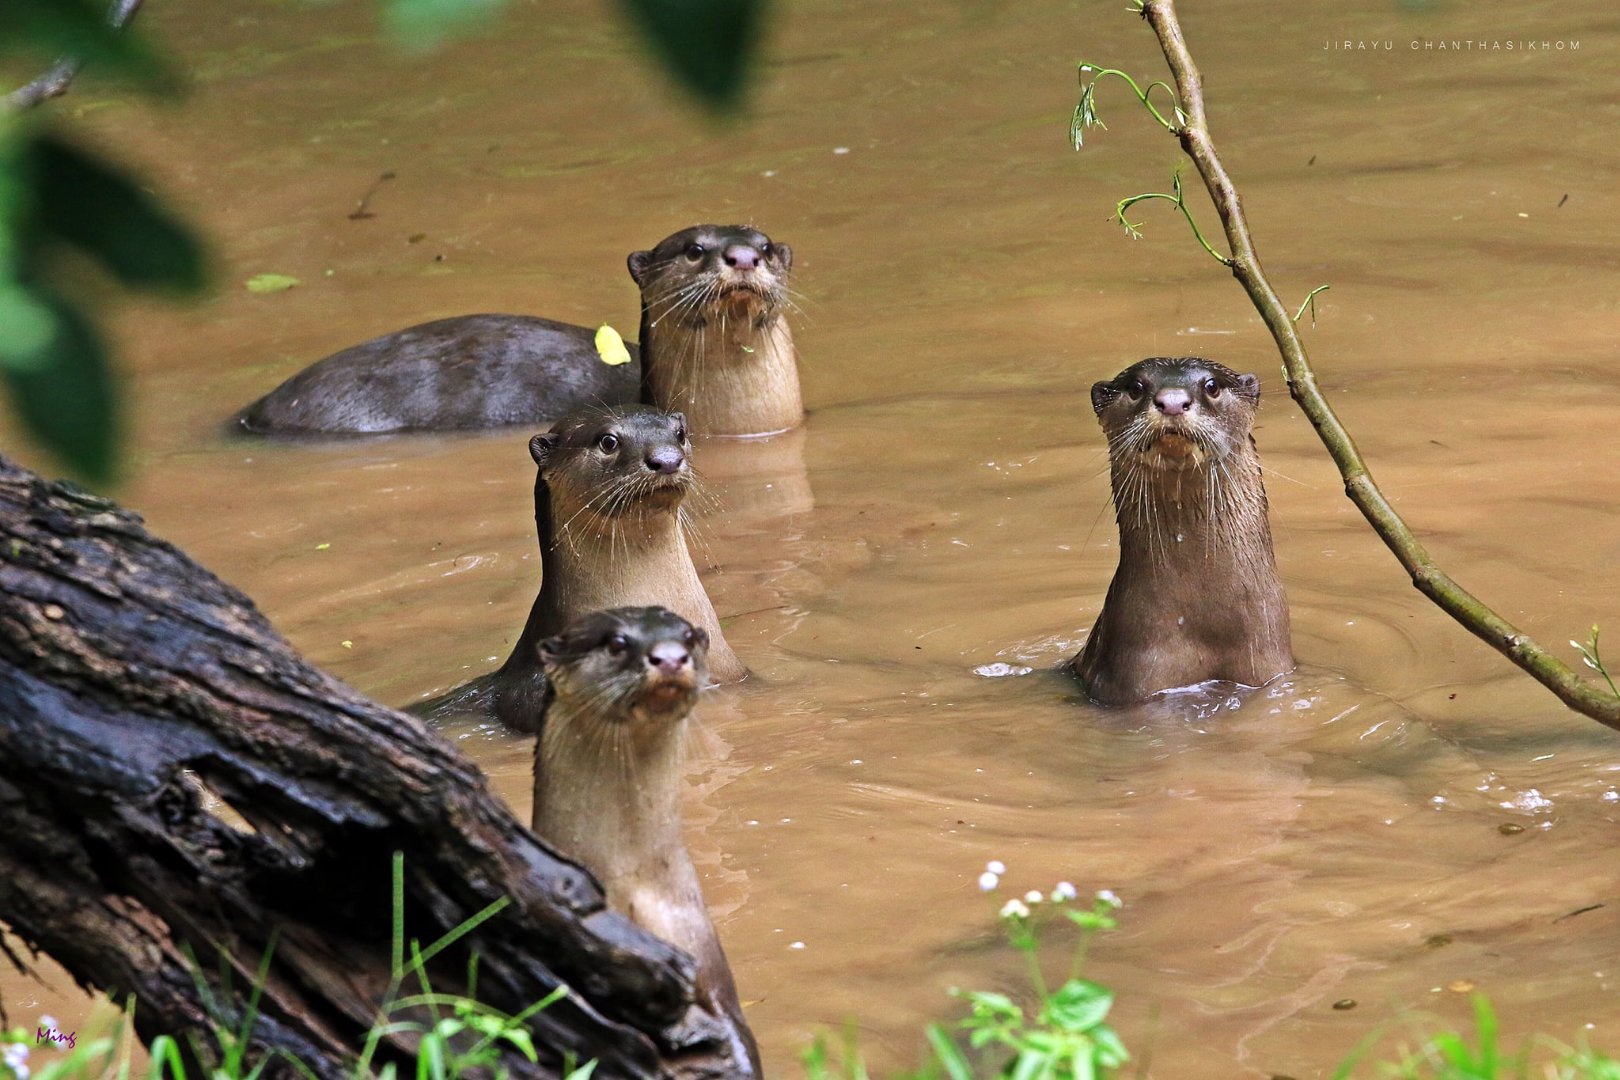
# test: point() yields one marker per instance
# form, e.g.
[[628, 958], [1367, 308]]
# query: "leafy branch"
[[1192, 131], [1175, 197]]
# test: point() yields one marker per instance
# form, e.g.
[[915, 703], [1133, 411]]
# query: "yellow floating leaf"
[[347, 644], [610, 346]]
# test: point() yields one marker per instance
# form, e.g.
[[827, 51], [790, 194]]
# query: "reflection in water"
[[1336, 837]]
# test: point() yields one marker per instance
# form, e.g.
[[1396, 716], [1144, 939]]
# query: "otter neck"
[[1195, 520], [729, 376], [610, 801], [628, 561]]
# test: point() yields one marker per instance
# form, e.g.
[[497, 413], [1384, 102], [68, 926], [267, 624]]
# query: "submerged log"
[[140, 697]]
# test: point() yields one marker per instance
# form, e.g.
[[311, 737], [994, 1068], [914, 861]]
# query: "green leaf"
[[1078, 1005], [51, 29], [92, 205], [948, 1055], [68, 400], [708, 45], [1028, 1065], [1110, 1049], [30, 326], [422, 24], [268, 283]]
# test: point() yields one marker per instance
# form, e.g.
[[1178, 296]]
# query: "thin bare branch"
[[54, 83], [1579, 694]]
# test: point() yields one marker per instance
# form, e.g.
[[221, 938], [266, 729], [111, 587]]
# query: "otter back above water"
[[715, 344], [458, 374]]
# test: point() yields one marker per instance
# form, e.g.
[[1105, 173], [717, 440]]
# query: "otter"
[[608, 772], [607, 507], [1196, 596], [715, 343], [713, 331]]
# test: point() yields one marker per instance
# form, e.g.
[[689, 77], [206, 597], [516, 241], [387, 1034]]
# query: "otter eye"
[[1212, 388], [680, 434], [618, 645], [765, 250], [607, 442], [689, 639], [696, 251], [1137, 388]]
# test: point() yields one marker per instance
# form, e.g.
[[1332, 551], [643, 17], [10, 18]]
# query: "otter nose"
[[1172, 401], [742, 256], [668, 657], [665, 459]]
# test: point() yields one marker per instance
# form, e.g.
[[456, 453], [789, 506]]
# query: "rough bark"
[[138, 693]]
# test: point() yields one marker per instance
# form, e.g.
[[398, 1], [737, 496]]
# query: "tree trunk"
[[140, 697]]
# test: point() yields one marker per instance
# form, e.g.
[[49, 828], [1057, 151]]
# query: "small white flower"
[[996, 866], [14, 1056], [1108, 897], [988, 881], [48, 1022], [1033, 897], [1014, 909], [1063, 891]]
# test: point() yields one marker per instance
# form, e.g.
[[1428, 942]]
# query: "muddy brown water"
[[1335, 837]]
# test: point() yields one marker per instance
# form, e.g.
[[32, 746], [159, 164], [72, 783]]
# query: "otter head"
[[1169, 414], [603, 466], [633, 665], [711, 271]]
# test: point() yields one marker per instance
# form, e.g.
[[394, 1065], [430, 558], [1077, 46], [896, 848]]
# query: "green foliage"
[[708, 45], [45, 30], [1451, 1055], [457, 1036], [1594, 660], [422, 24], [269, 283], [55, 197], [1063, 1035]]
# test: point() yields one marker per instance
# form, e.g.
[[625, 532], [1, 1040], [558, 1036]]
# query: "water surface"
[[1336, 837]]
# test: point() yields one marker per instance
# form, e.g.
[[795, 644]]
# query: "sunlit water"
[[941, 523]]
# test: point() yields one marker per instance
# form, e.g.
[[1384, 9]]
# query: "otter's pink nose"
[[669, 657], [1172, 401], [665, 459], [742, 256]]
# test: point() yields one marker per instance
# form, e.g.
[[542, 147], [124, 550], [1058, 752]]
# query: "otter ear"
[[784, 254], [1249, 386], [1102, 395], [640, 262], [541, 446], [548, 651]]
